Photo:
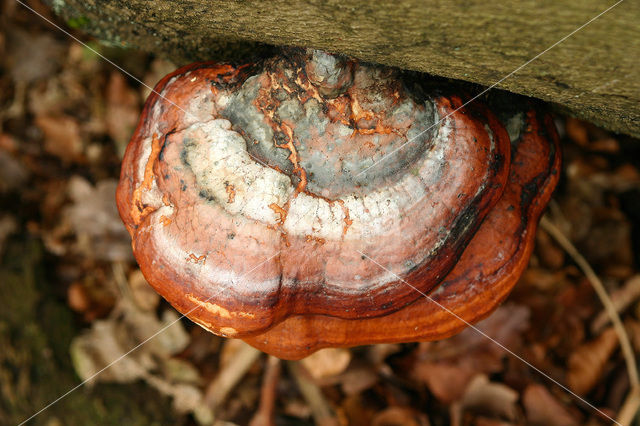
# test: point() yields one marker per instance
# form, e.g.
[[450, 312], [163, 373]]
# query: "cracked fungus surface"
[[257, 188]]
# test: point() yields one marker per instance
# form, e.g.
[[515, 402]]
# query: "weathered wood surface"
[[593, 74]]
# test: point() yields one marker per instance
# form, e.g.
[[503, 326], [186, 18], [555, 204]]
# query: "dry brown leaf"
[[378, 353], [179, 370], [445, 380], [543, 279], [144, 296], [587, 362], [142, 325], [542, 408], [61, 137], [32, 56], [447, 366], [95, 220], [358, 379], [297, 408], [505, 325], [624, 178], [327, 362], [92, 351], [93, 297], [110, 339], [490, 398], [608, 145], [577, 131], [77, 297], [61, 93], [230, 376]]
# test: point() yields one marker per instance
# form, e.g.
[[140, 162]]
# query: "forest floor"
[[73, 298]]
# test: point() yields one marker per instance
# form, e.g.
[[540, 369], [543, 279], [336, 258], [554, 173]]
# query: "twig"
[[320, 409], [265, 414], [219, 389], [632, 402], [629, 407]]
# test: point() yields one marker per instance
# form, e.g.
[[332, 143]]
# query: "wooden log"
[[593, 74]]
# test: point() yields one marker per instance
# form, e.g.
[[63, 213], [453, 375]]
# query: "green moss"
[[78, 22]]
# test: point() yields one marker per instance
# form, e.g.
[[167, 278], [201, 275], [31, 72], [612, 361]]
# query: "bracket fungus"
[[310, 200]]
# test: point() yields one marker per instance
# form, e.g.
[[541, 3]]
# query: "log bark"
[[593, 74]]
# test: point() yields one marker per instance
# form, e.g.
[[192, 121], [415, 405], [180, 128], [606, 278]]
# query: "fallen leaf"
[[61, 137], [446, 367], [587, 362], [542, 408], [357, 379], [327, 363], [92, 297], [608, 145], [94, 350], [155, 342], [231, 371], [171, 341], [95, 220], [490, 398], [577, 131], [543, 279], [297, 408], [378, 353], [32, 56], [505, 325], [447, 381], [144, 296], [77, 297], [180, 371]]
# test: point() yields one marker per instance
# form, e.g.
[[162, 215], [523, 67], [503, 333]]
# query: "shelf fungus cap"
[[257, 195]]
